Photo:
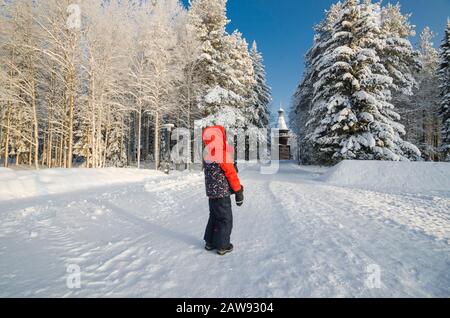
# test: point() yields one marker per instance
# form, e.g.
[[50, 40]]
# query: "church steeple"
[[281, 119], [283, 136]]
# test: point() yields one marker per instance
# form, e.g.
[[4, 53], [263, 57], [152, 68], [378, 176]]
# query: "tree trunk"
[[98, 136], [36, 131], [30, 156], [156, 141], [122, 140], [139, 138], [44, 149], [105, 147], [94, 129], [71, 120], [129, 145], [8, 119], [56, 153], [61, 151], [65, 158], [50, 146], [146, 136]]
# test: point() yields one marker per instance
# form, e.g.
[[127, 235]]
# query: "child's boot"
[[225, 251]]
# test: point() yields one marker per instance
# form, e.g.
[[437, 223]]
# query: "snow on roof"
[[282, 120]]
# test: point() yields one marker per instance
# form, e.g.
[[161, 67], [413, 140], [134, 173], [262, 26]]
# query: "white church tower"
[[282, 120], [283, 134]]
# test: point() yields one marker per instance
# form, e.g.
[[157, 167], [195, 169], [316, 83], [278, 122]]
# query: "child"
[[221, 181]]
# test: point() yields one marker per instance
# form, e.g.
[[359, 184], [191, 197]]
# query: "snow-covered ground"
[[394, 177], [304, 232], [31, 183]]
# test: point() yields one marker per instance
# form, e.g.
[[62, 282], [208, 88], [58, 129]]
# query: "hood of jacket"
[[216, 147]]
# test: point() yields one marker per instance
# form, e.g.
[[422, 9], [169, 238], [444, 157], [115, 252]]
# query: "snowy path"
[[295, 237]]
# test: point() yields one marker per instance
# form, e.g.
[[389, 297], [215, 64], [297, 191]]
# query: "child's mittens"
[[240, 197]]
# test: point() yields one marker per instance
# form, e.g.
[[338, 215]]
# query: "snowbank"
[[15, 184], [403, 177]]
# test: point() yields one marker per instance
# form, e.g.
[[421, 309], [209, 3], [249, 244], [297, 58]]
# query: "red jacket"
[[218, 152]]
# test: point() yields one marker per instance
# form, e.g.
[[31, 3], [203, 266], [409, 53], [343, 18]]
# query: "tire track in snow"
[[270, 237]]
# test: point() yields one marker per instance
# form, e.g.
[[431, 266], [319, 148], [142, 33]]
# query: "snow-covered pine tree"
[[352, 113], [301, 104], [224, 65], [241, 77], [444, 75], [398, 55], [115, 152], [208, 19], [262, 91]]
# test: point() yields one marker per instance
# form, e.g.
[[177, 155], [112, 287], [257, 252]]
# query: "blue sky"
[[283, 30]]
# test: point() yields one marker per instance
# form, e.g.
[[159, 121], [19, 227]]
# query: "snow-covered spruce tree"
[[299, 114], [241, 77], [115, 152], [351, 112], [224, 65], [208, 19], [398, 55], [262, 91], [444, 75]]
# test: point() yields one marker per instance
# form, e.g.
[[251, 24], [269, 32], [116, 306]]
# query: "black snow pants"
[[220, 224]]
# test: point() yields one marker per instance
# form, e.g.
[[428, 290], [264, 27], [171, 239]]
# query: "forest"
[[93, 83]]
